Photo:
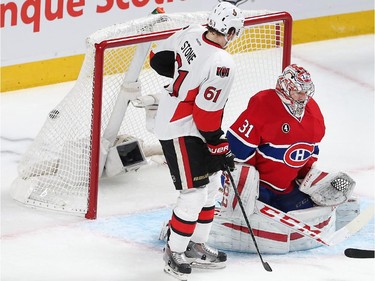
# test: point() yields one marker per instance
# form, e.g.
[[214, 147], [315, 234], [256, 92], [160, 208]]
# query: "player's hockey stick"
[[266, 266], [311, 231], [359, 253]]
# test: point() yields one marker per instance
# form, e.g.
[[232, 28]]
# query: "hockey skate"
[[203, 256], [176, 264]]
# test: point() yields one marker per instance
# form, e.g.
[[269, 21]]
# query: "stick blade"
[[359, 253], [267, 267]]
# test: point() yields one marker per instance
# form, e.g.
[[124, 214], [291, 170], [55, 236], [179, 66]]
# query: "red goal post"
[[61, 170]]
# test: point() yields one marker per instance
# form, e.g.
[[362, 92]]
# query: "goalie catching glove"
[[222, 152], [327, 189]]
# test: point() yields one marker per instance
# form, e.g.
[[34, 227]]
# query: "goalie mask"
[[295, 88], [225, 17]]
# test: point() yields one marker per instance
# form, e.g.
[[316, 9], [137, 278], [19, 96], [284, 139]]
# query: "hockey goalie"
[[276, 143]]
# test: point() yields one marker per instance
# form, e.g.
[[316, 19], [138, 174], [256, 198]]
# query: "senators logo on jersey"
[[222, 71]]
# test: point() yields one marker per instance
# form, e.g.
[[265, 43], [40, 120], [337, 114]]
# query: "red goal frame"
[[131, 40]]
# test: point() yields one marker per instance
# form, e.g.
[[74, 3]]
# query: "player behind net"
[[188, 125]]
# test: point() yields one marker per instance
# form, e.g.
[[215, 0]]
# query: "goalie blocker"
[[229, 230]]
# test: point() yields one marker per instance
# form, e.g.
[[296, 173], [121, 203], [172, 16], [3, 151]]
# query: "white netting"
[[55, 171]]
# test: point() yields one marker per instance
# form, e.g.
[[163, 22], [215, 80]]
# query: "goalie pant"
[[229, 230]]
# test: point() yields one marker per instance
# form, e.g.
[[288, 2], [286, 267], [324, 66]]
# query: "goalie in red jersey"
[[275, 141], [279, 134]]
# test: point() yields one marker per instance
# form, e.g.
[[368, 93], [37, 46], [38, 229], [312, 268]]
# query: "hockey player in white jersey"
[[188, 125]]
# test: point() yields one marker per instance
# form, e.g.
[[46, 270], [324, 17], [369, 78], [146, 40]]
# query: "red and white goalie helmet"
[[295, 88], [226, 16]]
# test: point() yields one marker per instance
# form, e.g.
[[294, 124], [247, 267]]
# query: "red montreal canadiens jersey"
[[196, 96], [282, 148]]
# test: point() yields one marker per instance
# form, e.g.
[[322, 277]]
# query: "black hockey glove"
[[223, 154]]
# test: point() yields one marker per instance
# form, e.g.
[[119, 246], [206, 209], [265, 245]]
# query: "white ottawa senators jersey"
[[196, 96]]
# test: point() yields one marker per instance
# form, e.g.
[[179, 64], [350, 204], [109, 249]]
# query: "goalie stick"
[[311, 231], [359, 253], [266, 266]]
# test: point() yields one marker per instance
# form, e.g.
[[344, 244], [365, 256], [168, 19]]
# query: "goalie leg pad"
[[272, 237], [322, 217], [246, 178], [347, 212], [232, 234]]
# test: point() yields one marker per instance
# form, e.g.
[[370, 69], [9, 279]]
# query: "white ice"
[[122, 243]]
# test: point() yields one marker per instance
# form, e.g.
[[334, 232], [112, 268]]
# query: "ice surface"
[[122, 243]]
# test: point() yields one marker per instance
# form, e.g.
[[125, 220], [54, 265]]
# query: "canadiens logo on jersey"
[[298, 154], [295, 155], [222, 71]]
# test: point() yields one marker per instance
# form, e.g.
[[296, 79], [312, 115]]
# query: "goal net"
[[62, 168]]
